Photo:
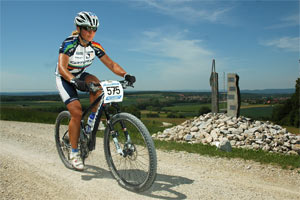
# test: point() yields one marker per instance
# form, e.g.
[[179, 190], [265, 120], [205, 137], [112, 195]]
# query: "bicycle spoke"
[[136, 167], [130, 169], [61, 137]]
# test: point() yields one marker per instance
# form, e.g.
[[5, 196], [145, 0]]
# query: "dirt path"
[[31, 169]]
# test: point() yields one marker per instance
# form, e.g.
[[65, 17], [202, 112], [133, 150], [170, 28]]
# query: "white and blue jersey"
[[80, 58]]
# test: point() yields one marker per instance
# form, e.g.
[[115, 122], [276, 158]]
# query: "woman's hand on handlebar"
[[130, 79]]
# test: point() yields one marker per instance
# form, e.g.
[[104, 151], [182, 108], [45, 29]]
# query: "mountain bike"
[[128, 147]]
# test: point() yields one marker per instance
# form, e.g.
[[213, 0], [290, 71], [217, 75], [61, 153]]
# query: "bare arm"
[[113, 66], [63, 61]]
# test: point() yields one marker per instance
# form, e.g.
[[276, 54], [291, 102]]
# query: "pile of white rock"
[[241, 132]]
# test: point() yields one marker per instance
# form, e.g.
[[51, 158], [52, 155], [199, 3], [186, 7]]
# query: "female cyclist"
[[76, 53]]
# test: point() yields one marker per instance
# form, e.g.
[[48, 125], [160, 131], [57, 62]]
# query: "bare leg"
[[74, 126], [93, 96]]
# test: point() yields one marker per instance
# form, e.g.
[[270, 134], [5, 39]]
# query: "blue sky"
[[167, 45]]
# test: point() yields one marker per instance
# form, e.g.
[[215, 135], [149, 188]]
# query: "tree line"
[[288, 113]]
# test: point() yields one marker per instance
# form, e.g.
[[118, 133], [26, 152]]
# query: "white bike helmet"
[[86, 19]]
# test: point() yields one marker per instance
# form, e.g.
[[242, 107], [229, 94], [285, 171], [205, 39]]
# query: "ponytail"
[[75, 32]]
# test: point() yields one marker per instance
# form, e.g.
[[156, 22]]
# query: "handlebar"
[[95, 87], [126, 84]]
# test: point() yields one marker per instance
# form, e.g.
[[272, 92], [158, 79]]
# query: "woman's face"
[[88, 35]]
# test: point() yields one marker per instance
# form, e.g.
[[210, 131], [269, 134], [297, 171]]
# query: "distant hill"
[[270, 91], [27, 93], [263, 91]]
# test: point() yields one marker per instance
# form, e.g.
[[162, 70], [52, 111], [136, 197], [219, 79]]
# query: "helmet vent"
[[88, 17]]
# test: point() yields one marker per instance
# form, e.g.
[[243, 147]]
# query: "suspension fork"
[[114, 133], [124, 128]]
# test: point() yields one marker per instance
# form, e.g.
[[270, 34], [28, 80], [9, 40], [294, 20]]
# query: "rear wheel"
[[134, 165]]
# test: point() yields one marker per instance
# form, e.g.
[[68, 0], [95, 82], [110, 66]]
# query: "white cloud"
[[173, 46], [288, 21], [184, 10], [176, 62], [286, 43], [172, 61]]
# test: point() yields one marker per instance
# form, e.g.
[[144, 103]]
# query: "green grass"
[[38, 104], [27, 115], [257, 112], [285, 161], [293, 130], [192, 107]]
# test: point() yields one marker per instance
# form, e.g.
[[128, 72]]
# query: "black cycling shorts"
[[67, 91]]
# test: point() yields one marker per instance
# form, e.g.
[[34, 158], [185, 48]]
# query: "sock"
[[74, 150]]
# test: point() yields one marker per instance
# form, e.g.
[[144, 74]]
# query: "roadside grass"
[[285, 161], [293, 130], [173, 121]]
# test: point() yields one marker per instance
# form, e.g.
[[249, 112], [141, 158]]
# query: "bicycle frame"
[[102, 107], [132, 170]]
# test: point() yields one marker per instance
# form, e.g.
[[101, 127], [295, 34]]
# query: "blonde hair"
[[75, 32]]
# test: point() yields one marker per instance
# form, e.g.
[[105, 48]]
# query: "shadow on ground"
[[92, 172], [164, 186]]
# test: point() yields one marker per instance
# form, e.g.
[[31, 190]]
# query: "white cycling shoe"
[[76, 161]]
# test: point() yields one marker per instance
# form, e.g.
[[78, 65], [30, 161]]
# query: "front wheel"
[[133, 164], [63, 144]]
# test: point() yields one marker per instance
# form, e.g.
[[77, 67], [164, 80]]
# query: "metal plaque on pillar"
[[233, 95], [214, 89]]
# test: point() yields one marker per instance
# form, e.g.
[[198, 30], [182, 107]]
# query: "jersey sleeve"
[[99, 51], [68, 46]]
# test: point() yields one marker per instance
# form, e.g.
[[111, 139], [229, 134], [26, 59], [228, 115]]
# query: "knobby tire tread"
[[61, 115], [150, 146]]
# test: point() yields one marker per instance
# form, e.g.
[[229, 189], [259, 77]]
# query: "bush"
[[173, 115], [152, 115], [288, 113], [133, 110], [153, 108], [204, 110]]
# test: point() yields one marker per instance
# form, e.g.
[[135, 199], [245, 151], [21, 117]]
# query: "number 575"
[[113, 90]]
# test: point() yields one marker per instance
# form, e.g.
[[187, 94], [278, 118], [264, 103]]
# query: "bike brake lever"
[[126, 84]]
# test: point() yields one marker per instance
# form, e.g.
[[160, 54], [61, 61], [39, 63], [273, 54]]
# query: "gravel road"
[[31, 169]]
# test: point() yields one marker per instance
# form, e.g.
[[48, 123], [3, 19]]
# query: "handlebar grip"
[[125, 84]]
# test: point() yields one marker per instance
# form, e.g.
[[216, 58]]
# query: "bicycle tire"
[[138, 136], [61, 130]]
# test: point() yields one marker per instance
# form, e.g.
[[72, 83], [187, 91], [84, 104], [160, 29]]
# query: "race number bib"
[[113, 91]]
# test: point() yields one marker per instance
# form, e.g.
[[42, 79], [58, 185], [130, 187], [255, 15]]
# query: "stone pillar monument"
[[214, 89], [233, 95]]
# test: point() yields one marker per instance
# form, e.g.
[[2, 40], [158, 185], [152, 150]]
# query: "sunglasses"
[[88, 28]]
